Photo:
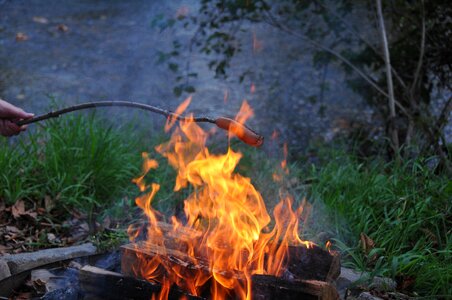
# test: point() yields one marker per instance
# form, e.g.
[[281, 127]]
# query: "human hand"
[[9, 114]]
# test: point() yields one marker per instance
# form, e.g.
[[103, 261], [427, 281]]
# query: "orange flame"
[[226, 219], [328, 246], [182, 107]]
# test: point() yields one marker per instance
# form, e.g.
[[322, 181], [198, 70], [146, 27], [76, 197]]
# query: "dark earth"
[[67, 52]]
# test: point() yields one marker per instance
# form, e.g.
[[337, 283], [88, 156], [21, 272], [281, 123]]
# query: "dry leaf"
[[49, 204], [20, 37], [51, 237], [63, 28], [41, 20], [12, 229], [18, 209], [367, 243]]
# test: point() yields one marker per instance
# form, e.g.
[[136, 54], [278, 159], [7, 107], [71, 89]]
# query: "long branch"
[[241, 131]]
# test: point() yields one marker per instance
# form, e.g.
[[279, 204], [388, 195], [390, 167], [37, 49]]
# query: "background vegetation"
[[403, 209]]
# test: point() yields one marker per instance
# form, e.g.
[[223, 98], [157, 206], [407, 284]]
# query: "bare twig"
[[272, 21], [329, 50], [421, 54], [392, 111], [351, 29]]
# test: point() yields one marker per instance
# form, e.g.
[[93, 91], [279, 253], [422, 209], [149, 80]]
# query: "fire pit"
[[226, 245], [100, 277]]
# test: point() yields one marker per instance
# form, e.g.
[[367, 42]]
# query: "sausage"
[[244, 133]]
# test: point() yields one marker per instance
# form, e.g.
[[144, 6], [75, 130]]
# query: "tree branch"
[[351, 29], [391, 103], [421, 54]]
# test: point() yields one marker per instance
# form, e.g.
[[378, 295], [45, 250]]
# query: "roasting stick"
[[243, 132]]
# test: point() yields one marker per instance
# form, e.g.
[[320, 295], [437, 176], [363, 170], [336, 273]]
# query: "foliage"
[[406, 211], [418, 43]]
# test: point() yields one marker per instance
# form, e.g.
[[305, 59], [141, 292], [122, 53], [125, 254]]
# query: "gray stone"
[[351, 277], [26, 261], [346, 279], [367, 296], [383, 284], [4, 269]]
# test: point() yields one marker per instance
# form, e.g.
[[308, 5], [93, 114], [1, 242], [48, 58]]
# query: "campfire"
[[226, 245]]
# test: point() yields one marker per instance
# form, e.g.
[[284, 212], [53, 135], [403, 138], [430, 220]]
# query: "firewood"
[[102, 284], [314, 263], [271, 287], [263, 286]]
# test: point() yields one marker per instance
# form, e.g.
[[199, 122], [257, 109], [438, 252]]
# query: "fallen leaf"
[[366, 243], [51, 237], [20, 37], [18, 209], [12, 229], [63, 28], [31, 215], [20, 97], [49, 204], [40, 20]]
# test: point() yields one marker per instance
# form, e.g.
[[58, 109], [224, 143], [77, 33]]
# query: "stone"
[[4, 269], [350, 277], [383, 284], [367, 296], [26, 261]]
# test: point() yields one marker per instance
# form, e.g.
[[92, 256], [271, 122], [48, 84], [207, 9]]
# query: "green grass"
[[405, 209], [76, 160]]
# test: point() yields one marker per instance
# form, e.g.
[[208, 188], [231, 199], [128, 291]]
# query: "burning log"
[[308, 269], [102, 284], [270, 287], [312, 263]]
